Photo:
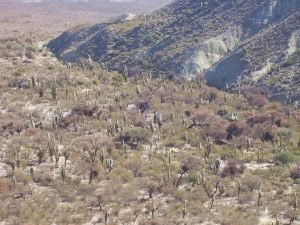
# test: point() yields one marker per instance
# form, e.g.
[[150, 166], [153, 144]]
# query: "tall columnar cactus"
[[288, 140], [66, 92], [138, 90], [168, 174], [169, 157], [54, 122], [117, 97], [125, 73], [259, 198], [239, 188], [202, 179], [152, 209], [74, 96], [225, 97], [31, 171], [221, 188], [199, 145], [259, 194], [157, 119], [63, 173], [183, 121], [66, 155], [87, 94], [110, 128], [77, 128], [33, 81], [40, 153], [102, 156], [184, 209], [56, 156], [186, 137], [109, 164], [280, 141], [295, 202], [51, 150], [18, 160], [217, 165], [208, 147], [162, 97], [54, 90], [248, 143], [150, 74], [117, 126], [213, 199], [106, 217], [276, 220], [172, 117]]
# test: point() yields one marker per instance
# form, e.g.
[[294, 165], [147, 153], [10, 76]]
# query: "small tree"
[[184, 169], [40, 146], [90, 148]]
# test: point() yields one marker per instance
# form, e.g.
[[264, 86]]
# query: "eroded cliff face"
[[294, 42], [227, 41], [274, 10], [220, 57], [213, 50]]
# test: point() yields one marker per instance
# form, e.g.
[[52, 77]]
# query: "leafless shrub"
[[295, 173], [232, 168], [236, 129]]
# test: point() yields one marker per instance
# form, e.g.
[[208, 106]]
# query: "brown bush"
[[194, 163], [276, 118], [267, 135], [135, 166], [203, 118], [137, 120], [222, 112], [258, 100], [5, 185], [217, 131], [256, 96], [236, 129], [258, 119], [232, 168], [251, 90], [43, 178], [213, 126], [32, 132], [295, 173], [10, 126], [83, 110]]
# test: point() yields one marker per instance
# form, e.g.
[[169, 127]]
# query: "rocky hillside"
[[228, 42]]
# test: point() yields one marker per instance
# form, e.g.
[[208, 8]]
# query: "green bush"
[[96, 82], [285, 158], [292, 60], [118, 80], [187, 11], [137, 135], [51, 67]]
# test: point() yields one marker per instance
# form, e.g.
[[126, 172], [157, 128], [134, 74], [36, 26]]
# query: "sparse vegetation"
[[81, 144]]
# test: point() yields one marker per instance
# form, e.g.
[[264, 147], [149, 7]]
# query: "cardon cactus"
[[184, 209], [208, 147], [109, 164], [54, 90], [295, 202]]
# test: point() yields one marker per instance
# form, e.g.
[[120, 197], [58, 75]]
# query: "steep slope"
[[228, 41]]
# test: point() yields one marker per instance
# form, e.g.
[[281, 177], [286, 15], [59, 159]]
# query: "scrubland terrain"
[[81, 144]]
